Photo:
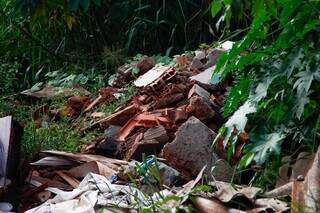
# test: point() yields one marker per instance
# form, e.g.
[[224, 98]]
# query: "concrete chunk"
[[200, 108], [191, 150], [204, 77], [197, 90]]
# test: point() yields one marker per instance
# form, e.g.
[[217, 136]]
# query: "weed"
[[204, 46], [56, 136], [202, 188]]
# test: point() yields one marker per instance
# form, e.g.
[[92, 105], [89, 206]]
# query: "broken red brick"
[[146, 119], [177, 114], [108, 92], [75, 105], [119, 118]]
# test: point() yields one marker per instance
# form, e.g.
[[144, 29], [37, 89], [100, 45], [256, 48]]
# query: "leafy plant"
[[278, 77]]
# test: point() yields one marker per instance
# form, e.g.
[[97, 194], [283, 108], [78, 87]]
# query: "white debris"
[[94, 190], [205, 76], [227, 45], [150, 76]]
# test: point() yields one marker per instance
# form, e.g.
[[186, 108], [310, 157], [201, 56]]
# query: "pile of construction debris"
[[157, 147]]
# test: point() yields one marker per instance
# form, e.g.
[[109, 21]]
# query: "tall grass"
[[47, 35]]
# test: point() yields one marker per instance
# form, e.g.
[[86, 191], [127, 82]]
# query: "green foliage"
[[75, 5], [204, 46], [45, 36], [237, 95], [231, 13], [268, 176], [58, 135], [8, 73], [263, 145], [202, 188], [148, 26], [278, 78]]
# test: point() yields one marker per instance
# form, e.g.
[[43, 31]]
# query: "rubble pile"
[[176, 111], [156, 147]]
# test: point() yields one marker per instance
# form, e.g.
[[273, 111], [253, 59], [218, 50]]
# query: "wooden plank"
[[118, 118], [69, 179], [91, 167]]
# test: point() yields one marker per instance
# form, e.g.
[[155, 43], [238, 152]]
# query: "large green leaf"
[[237, 95], [302, 101], [264, 145], [238, 120], [292, 62], [304, 81]]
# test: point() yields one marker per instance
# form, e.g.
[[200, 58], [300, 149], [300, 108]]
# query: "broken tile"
[[143, 147], [118, 118], [177, 114], [146, 119], [75, 105], [167, 101]]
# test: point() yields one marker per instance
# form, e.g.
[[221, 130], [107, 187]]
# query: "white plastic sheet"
[[93, 192]]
